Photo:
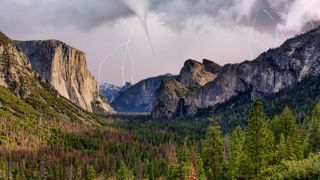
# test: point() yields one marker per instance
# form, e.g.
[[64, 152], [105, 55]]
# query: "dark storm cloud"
[[88, 14]]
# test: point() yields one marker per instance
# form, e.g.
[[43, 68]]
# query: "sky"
[[130, 40]]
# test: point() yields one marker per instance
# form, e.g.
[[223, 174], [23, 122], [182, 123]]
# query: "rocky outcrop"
[[169, 99], [15, 69], [139, 97], [111, 92], [195, 73], [270, 72], [65, 68]]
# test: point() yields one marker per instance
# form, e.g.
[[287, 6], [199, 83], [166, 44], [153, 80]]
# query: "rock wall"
[[65, 68]]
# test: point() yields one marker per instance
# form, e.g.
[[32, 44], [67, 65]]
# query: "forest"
[[135, 147]]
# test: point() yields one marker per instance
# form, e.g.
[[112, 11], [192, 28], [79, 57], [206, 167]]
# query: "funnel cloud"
[[171, 30]]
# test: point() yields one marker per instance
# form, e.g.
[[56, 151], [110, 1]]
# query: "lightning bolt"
[[125, 45], [251, 38], [251, 33]]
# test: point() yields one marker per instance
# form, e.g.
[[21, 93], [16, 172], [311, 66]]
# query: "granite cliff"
[[65, 68], [26, 98]]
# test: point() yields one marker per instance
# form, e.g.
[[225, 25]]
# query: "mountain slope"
[[300, 97], [32, 111], [270, 72], [65, 68]]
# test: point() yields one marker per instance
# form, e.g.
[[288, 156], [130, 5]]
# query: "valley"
[[253, 120]]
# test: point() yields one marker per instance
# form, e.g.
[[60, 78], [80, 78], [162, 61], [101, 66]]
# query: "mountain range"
[[201, 86]]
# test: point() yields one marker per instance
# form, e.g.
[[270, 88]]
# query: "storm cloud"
[[290, 15]]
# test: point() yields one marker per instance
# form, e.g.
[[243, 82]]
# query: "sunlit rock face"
[[270, 72], [15, 69], [66, 69]]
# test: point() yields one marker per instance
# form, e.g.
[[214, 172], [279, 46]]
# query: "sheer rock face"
[[66, 69], [270, 72], [170, 97], [167, 99], [195, 73], [139, 97]]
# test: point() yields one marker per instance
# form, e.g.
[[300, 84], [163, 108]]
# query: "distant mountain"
[[139, 97], [111, 92], [272, 71], [65, 68]]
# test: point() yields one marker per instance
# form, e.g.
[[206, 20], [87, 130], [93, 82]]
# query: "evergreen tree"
[[90, 173], [285, 125], [3, 169], [123, 173], [212, 152], [235, 161], [258, 145], [314, 129]]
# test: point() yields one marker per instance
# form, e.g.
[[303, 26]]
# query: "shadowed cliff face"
[[169, 99], [270, 72], [139, 97], [65, 68]]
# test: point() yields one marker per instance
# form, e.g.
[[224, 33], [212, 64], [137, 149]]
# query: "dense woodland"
[[135, 147]]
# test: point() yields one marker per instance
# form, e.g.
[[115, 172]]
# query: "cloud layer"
[[290, 15]]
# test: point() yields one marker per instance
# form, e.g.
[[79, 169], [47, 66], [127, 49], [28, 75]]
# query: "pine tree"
[[3, 170], [285, 125], [212, 152], [90, 173], [314, 129], [258, 145], [235, 161], [123, 173]]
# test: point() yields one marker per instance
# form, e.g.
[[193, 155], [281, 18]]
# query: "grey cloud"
[[88, 14]]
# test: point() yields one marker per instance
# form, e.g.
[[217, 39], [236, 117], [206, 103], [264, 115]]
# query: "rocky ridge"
[[170, 97], [272, 71]]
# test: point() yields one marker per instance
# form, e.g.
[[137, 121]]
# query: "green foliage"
[[90, 173], [258, 146], [304, 169], [182, 92], [212, 152], [313, 129], [63, 141], [301, 97], [236, 157], [287, 136], [123, 173]]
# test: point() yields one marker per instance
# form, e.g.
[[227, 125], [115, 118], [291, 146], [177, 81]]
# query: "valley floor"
[[136, 147]]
